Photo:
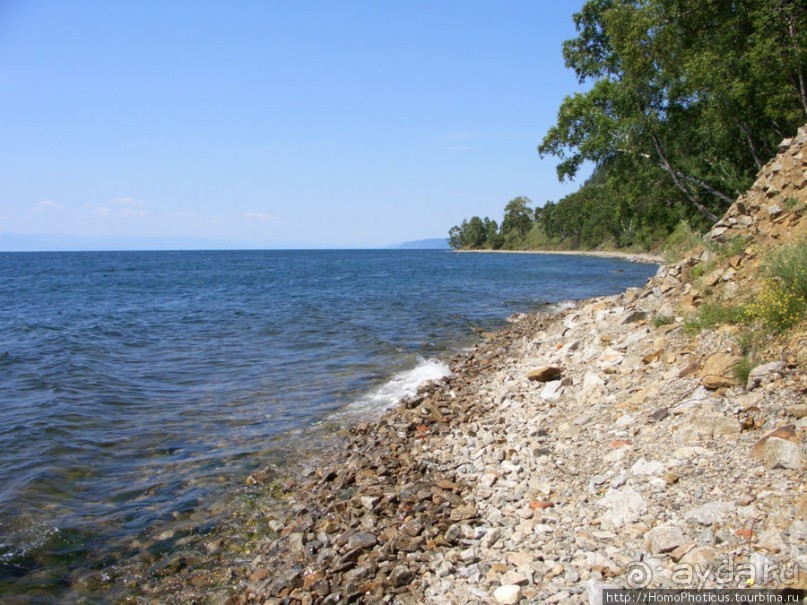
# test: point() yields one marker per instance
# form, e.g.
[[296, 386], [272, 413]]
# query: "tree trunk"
[[752, 148], [666, 165]]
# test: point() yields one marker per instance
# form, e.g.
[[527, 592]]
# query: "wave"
[[401, 385]]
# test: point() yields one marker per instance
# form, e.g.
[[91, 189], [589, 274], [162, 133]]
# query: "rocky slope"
[[602, 445]]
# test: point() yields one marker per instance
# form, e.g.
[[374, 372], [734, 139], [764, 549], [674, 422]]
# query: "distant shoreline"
[[639, 257]]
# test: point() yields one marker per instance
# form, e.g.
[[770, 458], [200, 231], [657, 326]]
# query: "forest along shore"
[[604, 445], [638, 257]]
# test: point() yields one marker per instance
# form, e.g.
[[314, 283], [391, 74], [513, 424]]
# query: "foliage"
[[517, 221], [782, 302], [663, 320], [743, 369], [682, 239], [776, 307], [710, 315], [683, 88], [685, 101], [475, 234], [788, 265]]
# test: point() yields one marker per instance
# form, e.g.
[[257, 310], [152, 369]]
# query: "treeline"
[[686, 100]]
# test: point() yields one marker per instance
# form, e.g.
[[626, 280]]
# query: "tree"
[[455, 237], [517, 219], [495, 239], [685, 86]]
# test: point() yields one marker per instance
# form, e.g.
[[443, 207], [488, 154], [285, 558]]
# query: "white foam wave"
[[401, 385], [558, 307]]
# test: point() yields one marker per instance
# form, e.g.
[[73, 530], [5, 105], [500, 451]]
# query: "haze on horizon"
[[268, 124]]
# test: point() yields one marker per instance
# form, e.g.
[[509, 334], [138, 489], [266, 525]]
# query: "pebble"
[[509, 594]]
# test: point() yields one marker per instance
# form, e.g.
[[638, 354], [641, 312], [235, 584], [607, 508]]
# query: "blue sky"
[[350, 123]]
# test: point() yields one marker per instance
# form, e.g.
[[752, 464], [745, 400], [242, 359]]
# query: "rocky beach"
[[603, 445]]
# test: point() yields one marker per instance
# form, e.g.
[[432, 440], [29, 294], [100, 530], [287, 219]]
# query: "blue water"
[[136, 386]]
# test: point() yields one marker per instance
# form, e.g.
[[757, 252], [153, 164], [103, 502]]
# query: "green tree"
[[494, 238], [686, 87], [455, 237], [517, 220], [474, 233]]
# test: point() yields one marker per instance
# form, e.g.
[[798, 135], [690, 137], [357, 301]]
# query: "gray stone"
[[552, 391], [361, 540], [635, 317], [663, 539], [759, 373], [625, 505], [401, 576], [509, 594], [781, 453], [710, 513], [644, 467], [771, 540]]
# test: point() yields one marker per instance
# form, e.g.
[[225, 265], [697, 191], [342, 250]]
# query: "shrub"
[[776, 306], [682, 239], [710, 315], [742, 370], [782, 302], [662, 320], [789, 266]]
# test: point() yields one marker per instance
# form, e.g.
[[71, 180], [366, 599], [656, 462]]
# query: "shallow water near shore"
[[138, 390]]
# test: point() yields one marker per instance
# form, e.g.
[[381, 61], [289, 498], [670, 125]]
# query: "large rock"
[[546, 374], [509, 594], [787, 432], [663, 539], [625, 505], [710, 513], [764, 372], [781, 453], [717, 371]]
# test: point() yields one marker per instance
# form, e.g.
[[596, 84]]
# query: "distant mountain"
[[437, 243]]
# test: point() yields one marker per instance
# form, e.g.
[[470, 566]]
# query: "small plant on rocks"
[[782, 302], [710, 315], [662, 320]]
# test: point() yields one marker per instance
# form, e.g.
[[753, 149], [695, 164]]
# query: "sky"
[[274, 123]]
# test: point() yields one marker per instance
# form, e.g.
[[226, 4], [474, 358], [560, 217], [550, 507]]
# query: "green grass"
[[662, 320], [742, 370], [711, 315], [789, 266], [734, 246], [682, 239], [793, 204]]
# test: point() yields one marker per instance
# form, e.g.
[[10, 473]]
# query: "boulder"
[[787, 432], [763, 372], [509, 594], [710, 513], [781, 453], [546, 374], [717, 371], [625, 505], [663, 539]]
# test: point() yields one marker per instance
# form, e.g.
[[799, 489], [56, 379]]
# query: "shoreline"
[[601, 446], [482, 488], [639, 257]]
